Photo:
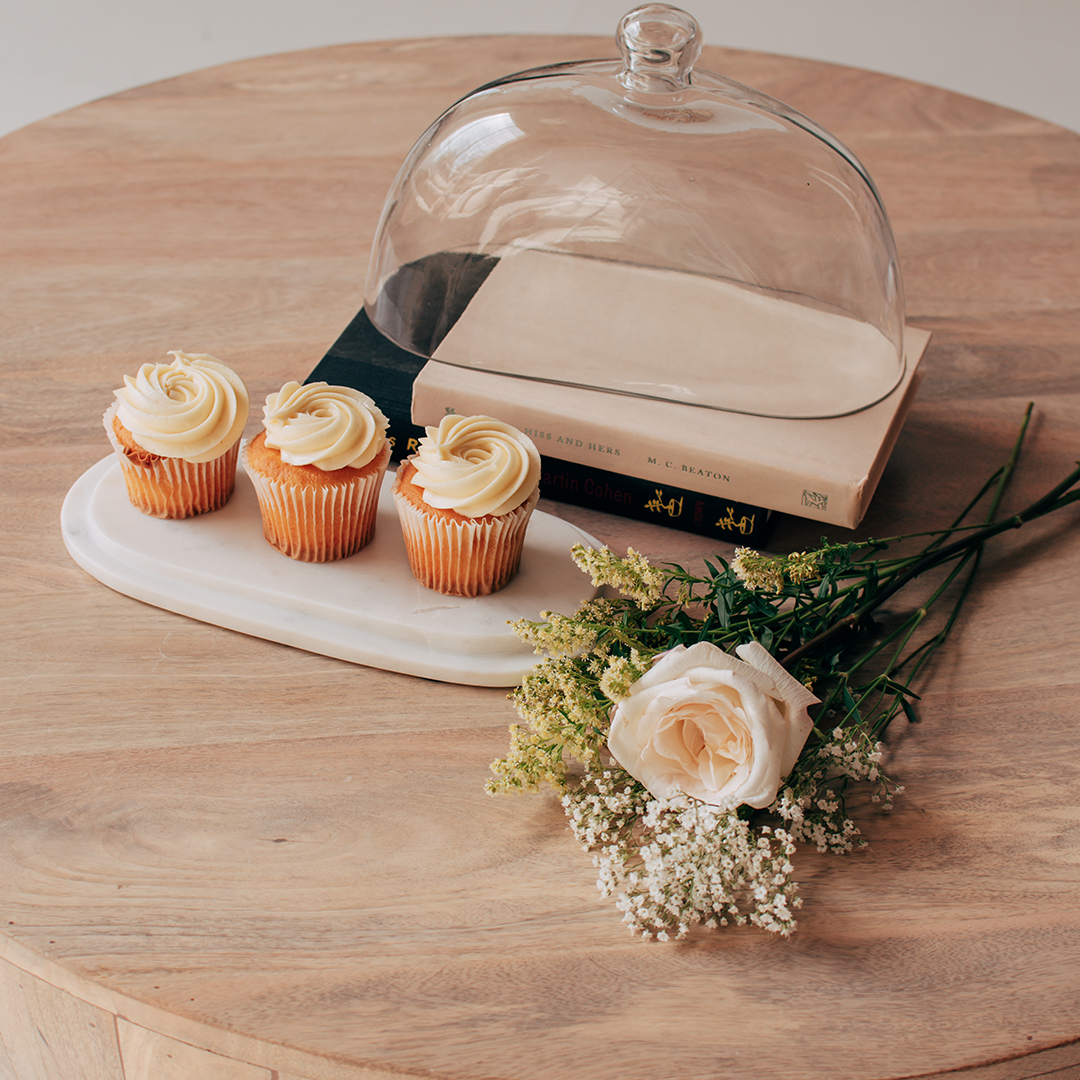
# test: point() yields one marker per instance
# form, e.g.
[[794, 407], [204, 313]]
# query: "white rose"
[[722, 729]]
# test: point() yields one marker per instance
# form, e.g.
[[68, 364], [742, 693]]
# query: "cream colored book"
[[665, 334], [823, 469]]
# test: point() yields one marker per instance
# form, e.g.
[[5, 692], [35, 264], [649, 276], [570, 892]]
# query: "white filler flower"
[[722, 729]]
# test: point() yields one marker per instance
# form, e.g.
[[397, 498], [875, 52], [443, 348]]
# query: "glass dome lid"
[[639, 226]]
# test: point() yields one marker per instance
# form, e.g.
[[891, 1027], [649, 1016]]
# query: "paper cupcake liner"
[[172, 487], [463, 556], [319, 524]]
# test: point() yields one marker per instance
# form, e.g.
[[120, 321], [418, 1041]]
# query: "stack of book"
[[704, 470]]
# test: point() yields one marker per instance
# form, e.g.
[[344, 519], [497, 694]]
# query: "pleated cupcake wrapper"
[[172, 487], [464, 557], [319, 524]]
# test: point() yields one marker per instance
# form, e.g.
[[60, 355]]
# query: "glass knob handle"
[[659, 44]]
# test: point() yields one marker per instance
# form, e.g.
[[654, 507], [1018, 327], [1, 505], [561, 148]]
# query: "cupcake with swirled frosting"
[[464, 500], [176, 430], [317, 468]]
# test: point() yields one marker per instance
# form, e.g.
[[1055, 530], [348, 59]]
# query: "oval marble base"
[[367, 609]]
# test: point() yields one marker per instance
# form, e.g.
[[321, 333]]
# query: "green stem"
[[1055, 499]]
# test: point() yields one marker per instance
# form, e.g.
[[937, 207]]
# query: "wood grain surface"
[[224, 859]]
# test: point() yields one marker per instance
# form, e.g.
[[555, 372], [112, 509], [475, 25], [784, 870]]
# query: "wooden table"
[[226, 859]]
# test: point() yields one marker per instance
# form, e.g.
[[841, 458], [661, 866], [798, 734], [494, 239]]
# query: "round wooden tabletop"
[[228, 859]]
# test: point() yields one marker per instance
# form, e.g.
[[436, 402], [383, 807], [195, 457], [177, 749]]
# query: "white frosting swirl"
[[475, 466], [194, 408], [329, 427]]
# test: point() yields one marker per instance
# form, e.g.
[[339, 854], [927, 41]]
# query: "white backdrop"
[[58, 53]]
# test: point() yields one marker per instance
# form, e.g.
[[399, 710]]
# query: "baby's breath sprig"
[[674, 862]]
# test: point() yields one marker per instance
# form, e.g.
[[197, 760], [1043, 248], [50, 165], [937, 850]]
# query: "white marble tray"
[[367, 609]]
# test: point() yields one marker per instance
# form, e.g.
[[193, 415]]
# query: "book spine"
[[589, 440], [643, 500]]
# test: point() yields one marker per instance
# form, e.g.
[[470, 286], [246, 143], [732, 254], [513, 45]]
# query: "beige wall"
[[58, 53]]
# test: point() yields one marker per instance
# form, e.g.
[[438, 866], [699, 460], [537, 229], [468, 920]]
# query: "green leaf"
[[723, 612], [851, 706]]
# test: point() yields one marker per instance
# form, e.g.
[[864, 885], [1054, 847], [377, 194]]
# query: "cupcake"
[[176, 431], [464, 499], [317, 469]]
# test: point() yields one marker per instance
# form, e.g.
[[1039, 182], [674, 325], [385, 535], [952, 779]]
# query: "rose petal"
[[723, 729]]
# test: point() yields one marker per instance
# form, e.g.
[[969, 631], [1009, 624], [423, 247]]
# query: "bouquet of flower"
[[700, 726]]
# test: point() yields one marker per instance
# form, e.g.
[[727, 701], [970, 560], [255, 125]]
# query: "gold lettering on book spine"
[[743, 525], [673, 507]]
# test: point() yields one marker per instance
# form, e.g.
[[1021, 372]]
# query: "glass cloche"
[[639, 226]]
